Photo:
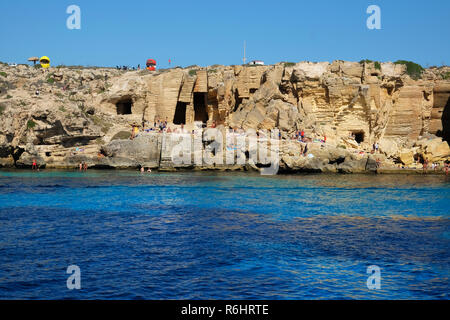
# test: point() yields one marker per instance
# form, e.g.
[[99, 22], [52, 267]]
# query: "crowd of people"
[[126, 68], [434, 166], [163, 126]]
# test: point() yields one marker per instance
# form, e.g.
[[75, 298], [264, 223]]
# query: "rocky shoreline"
[[68, 115]]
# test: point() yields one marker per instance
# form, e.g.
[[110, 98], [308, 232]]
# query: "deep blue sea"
[[223, 236]]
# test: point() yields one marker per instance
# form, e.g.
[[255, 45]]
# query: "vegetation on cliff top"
[[289, 64], [414, 70]]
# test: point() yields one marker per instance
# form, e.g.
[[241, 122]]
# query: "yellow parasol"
[[45, 62]]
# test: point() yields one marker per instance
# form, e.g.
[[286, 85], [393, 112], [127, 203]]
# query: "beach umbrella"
[[45, 62], [151, 64], [33, 59]]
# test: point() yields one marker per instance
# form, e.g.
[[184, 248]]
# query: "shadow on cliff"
[[446, 122]]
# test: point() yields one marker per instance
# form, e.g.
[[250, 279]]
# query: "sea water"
[[223, 235]]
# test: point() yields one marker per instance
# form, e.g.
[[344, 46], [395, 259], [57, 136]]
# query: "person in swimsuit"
[[34, 166]]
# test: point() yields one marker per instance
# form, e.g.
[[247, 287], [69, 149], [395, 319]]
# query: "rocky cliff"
[[64, 116]]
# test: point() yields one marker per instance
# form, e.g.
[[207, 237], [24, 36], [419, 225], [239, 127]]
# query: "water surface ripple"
[[223, 236]]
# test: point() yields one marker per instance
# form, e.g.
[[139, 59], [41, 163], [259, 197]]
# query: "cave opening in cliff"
[[238, 101], [180, 113], [446, 122], [200, 103], [124, 106], [359, 136]]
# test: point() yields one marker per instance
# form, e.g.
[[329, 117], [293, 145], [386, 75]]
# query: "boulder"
[[353, 166], [406, 157], [143, 150]]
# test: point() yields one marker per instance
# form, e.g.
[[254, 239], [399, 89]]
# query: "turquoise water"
[[223, 236]]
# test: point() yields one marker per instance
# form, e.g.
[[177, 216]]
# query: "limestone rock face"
[[405, 119], [309, 71], [353, 166], [63, 116], [141, 151], [393, 70], [435, 149], [407, 157]]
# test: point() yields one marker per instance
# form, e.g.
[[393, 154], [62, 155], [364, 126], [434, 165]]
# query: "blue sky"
[[213, 32]]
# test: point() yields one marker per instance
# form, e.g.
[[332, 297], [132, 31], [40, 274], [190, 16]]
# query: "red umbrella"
[[151, 62]]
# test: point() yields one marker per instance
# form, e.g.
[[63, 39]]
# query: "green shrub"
[[376, 63], [414, 70], [122, 135], [37, 66], [50, 80], [289, 64], [3, 74], [62, 109], [8, 96], [342, 146], [2, 109], [192, 72], [212, 71], [31, 124], [446, 76]]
